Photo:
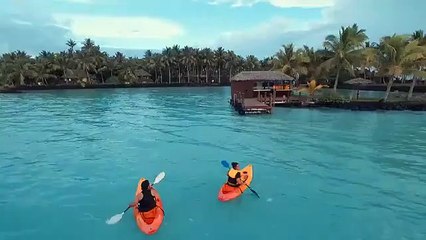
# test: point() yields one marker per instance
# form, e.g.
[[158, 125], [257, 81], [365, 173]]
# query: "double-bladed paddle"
[[116, 218], [226, 164]]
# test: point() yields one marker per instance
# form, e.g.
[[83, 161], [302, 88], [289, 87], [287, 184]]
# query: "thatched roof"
[[261, 76], [142, 73], [359, 81]]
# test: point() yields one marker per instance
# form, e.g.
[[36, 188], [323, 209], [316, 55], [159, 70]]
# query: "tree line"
[[347, 54]]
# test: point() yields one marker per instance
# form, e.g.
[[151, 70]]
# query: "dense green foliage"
[[349, 54]]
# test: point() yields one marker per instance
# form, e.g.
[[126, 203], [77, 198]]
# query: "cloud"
[[33, 32], [21, 22], [119, 27], [379, 18], [32, 35], [24, 28], [121, 32], [277, 3], [266, 38]]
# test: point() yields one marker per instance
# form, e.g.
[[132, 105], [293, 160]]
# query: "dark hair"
[[145, 185], [234, 164]]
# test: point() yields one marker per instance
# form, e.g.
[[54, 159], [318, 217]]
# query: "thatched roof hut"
[[261, 76], [140, 73], [250, 83], [142, 76]]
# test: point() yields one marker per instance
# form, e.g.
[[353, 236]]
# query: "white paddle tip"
[[114, 219], [159, 177]]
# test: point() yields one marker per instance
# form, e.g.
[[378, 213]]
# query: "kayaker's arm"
[[138, 197], [154, 193], [240, 180]]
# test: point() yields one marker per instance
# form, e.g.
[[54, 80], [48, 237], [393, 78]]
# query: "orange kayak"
[[149, 222], [227, 193]]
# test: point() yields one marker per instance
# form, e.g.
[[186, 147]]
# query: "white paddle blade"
[[115, 219], [159, 177]]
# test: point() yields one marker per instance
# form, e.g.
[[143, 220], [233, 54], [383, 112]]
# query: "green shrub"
[[332, 98]]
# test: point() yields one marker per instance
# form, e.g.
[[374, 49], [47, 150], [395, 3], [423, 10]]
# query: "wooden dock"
[[250, 106]]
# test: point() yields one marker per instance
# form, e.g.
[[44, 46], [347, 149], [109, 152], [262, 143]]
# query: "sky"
[[257, 27]]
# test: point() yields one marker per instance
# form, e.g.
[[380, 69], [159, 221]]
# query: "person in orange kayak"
[[146, 200], [235, 178]]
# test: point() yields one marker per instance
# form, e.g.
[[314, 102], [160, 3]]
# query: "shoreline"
[[402, 87], [21, 89], [363, 105], [369, 87]]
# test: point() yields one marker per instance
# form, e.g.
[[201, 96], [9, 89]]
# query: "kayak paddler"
[[235, 178], [146, 200]]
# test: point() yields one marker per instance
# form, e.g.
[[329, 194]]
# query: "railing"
[[276, 87]]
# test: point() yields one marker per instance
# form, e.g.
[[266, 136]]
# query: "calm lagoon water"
[[71, 159]]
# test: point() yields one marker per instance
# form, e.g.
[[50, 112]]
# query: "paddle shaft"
[[126, 209], [162, 210], [252, 190]]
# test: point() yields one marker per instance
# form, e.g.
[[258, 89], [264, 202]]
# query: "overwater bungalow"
[[259, 91], [143, 76]]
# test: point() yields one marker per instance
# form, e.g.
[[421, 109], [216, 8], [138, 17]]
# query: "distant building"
[[143, 76], [260, 90]]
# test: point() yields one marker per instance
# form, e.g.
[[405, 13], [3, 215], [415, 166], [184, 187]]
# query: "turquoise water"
[[71, 159]]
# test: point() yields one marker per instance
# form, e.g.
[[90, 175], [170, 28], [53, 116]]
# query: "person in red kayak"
[[235, 178], [146, 201]]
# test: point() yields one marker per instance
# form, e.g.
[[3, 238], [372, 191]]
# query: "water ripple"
[[73, 158]]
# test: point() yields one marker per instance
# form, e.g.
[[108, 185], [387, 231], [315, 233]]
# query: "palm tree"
[[63, 62], [162, 63], [86, 63], [188, 60], [252, 63], [177, 56], [310, 61], [400, 56], [421, 37], [17, 66], [345, 50], [169, 61], [267, 63], [197, 63], [101, 65], [207, 58], [369, 58], [290, 61], [88, 45], [128, 75], [219, 58], [148, 54], [231, 62], [71, 44]]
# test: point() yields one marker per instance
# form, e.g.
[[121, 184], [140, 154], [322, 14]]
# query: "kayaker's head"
[[235, 165], [145, 185]]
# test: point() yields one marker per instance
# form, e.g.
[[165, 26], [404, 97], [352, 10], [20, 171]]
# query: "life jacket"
[[148, 201], [232, 177]]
